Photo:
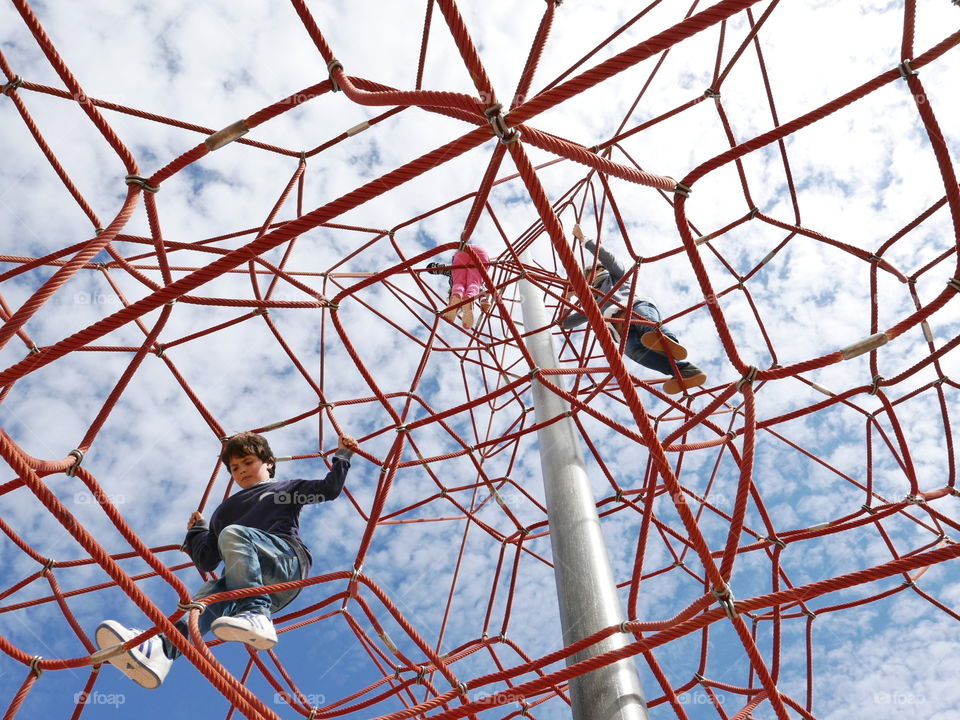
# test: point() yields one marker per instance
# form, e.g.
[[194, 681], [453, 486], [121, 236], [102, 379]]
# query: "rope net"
[[770, 532]]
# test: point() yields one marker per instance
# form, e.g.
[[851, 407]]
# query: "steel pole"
[[586, 589]]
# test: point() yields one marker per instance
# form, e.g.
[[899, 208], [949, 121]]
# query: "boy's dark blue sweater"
[[272, 507]]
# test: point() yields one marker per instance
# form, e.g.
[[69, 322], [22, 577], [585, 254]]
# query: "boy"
[[255, 533], [644, 344]]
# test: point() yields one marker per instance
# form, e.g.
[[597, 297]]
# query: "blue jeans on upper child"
[[251, 558], [634, 348]]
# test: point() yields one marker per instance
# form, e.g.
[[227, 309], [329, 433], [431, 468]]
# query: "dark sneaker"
[[653, 340], [146, 664], [251, 628], [690, 377]]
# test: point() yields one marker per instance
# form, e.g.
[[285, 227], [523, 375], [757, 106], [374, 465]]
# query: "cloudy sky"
[[791, 284]]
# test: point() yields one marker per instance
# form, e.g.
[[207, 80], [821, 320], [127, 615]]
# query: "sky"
[[860, 176]]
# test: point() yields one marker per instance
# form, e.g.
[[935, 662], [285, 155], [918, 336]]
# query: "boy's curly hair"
[[248, 443]]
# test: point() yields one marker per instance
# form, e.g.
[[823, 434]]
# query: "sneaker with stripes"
[[145, 664], [251, 628]]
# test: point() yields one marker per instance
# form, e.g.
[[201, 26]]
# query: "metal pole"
[[586, 589]]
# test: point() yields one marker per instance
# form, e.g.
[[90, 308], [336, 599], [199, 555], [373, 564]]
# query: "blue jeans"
[[634, 348], [251, 558]]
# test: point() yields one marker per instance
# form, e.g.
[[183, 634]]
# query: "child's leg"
[[466, 313], [456, 295], [211, 613], [638, 347], [252, 557], [466, 276], [663, 341]]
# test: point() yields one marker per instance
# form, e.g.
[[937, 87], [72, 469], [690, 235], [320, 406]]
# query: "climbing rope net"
[[785, 525]]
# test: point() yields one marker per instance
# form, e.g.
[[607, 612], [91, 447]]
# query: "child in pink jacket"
[[466, 282]]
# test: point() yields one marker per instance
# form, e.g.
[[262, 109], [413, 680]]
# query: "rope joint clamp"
[[748, 377], [905, 69], [331, 66], [12, 85], [725, 597], [192, 605], [507, 134], [78, 454], [141, 182]]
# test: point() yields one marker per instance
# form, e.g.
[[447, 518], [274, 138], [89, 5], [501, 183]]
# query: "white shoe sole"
[[228, 632], [108, 636]]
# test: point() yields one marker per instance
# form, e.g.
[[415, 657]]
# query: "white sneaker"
[[251, 628], [146, 664]]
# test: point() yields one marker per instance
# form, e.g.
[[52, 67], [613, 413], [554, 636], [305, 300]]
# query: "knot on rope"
[[78, 454], [12, 85], [142, 182], [681, 189], [507, 134], [875, 387], [711, 93], [331, 66], [954, 283], [35, 665], [48, 565]]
